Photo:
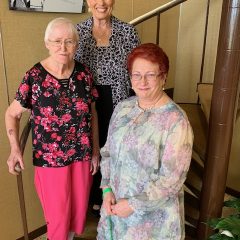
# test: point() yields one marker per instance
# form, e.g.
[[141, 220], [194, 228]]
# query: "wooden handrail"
[[23, 141], [24, 135], [156, 12]]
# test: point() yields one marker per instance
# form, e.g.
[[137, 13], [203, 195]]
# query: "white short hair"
[[60, 21]]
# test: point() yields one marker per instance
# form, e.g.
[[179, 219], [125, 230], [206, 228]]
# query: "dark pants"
[[104, 108]]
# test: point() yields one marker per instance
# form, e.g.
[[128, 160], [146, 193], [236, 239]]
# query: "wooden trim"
[[169, 92], [23, 141], [156, 11], [232, 192], [36, 233], [4, 63], [22, 205], [190, 232]]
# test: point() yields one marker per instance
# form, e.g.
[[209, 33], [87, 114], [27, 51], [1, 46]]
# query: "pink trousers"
[[64, 194]]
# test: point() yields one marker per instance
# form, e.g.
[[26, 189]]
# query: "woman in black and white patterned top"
[[104, 44]]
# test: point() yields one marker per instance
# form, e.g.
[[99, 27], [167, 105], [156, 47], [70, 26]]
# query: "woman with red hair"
[[146, 157]]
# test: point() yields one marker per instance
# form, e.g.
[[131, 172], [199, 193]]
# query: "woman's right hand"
[[109, 200], [15, 162]]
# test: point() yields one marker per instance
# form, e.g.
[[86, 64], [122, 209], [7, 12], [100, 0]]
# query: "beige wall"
[[190, 45], [189, 52], [9, 200], [168, 31], [212, 39]]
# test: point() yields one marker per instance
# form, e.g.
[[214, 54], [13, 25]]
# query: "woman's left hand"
[[94, 164], [122, 208]]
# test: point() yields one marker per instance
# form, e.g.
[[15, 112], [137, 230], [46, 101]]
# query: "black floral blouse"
[[60, 115]]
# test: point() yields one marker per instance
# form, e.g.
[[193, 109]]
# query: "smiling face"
[[62, 44], [147, 80], [101, 9]]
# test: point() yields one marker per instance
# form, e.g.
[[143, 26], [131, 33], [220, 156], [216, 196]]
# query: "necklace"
[[153, 105], [143, 110]]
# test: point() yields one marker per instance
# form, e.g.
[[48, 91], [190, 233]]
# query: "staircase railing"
[[23, 142], [156, 12]]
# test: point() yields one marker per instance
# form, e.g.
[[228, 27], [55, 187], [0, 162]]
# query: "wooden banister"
[[23, 141], [156, 12]]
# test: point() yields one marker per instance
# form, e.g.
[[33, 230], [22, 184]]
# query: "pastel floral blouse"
[[146, 159], [60, 115]]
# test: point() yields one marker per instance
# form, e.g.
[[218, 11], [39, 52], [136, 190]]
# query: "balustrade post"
[[222, 116]]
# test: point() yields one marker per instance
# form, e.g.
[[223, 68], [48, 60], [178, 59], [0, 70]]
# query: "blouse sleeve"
[[133, 38], [24, 92], [91, 88], [105, 153], [94, 93], [79, 52], [105, 165], [175, 161]]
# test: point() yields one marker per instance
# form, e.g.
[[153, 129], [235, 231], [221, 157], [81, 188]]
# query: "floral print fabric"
[[60, 116], [108, 64], [146, 159]]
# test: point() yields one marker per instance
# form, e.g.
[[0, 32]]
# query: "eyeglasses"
[[67, 43], [148, 76]]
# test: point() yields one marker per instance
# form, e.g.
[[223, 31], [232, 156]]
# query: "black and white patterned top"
[[108, 64]]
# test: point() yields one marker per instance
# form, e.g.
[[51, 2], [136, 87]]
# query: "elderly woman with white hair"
[[60, 95]]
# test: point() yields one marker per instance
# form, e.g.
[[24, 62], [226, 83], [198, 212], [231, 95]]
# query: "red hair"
[[150, 52]]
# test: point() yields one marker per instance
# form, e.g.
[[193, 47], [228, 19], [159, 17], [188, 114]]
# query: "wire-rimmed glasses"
[[67, 43], [148, 76]]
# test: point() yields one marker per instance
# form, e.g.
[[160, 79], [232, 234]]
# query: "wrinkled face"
[[61, 44], [101, 9], [147, 81]]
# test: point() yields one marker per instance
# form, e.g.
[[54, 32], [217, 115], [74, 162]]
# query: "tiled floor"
[[89, 233]]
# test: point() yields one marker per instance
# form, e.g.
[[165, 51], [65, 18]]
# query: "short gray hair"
[[60, 21]]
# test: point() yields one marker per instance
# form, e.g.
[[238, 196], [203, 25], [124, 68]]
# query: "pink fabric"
[[64, 194]]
